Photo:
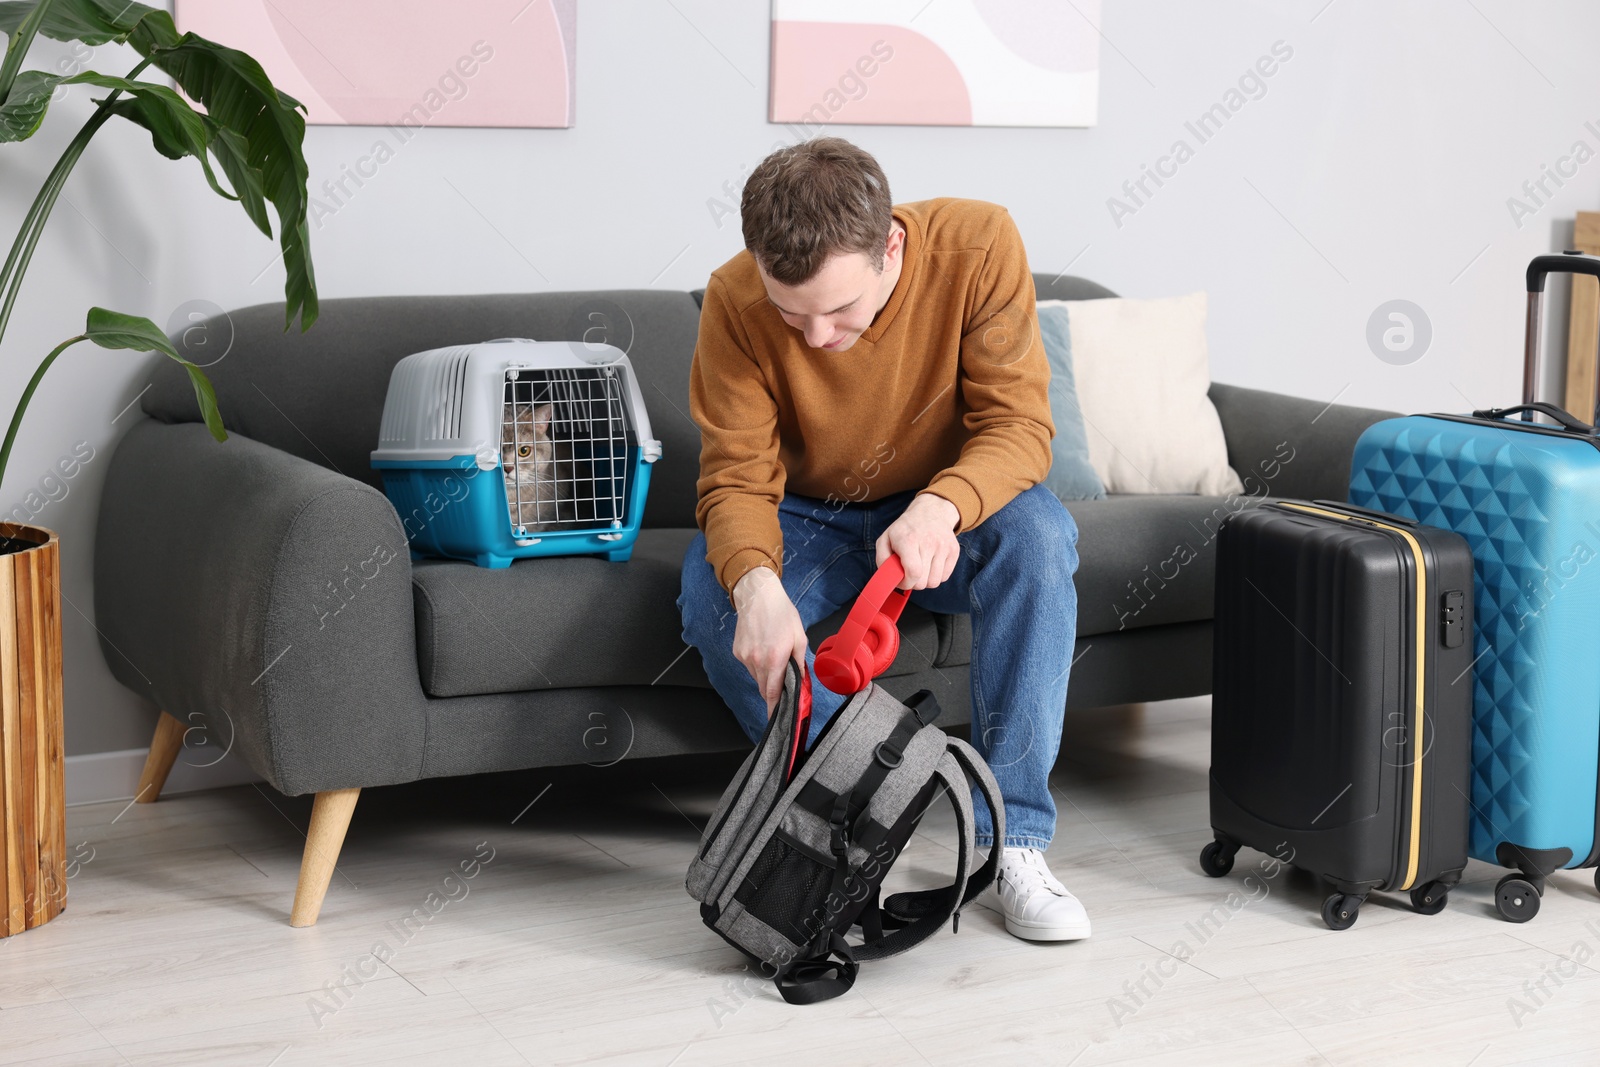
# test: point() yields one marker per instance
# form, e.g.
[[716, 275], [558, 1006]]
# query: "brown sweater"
[[947, 392]]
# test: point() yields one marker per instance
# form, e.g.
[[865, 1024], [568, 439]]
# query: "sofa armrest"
[[239, 579], [1287, 446]]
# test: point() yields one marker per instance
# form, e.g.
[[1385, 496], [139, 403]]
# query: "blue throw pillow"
[[1071, 477]]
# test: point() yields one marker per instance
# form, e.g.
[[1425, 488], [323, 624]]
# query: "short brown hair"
[[806, 202]]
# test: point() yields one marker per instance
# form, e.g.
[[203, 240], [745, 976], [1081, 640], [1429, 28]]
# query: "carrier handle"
[[1559, 414], [1569, 262], [867, 642]]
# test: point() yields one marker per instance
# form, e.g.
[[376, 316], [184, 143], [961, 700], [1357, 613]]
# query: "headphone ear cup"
[[883, 636], [860, 669], [825, 650], [834, 671]]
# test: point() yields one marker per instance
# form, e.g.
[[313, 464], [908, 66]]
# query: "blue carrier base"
[[452, 509]]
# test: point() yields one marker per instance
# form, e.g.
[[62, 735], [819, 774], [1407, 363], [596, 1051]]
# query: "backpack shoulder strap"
[[979, 774], [942, 903], [974, 772]]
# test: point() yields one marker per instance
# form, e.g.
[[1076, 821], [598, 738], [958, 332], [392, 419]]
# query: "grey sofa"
[[268, 577]]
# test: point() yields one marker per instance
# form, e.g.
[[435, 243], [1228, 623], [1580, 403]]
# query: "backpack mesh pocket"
[[787, 889]]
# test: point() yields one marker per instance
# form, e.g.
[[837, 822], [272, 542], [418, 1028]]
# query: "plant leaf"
[[232, 153], [206, 397], [237, 94], [19, 41], [24, 109], [94, 22], [176, 128], [113, 329]]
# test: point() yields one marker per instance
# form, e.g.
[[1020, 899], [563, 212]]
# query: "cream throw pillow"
[[1142, 371]]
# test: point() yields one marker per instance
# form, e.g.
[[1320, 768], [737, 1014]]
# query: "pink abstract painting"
[[938, 63], [412, 62]]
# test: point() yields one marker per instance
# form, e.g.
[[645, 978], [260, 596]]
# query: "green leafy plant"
[[251, 131]]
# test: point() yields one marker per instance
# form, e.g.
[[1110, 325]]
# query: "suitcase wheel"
[[1216, 859], [1597, 878], [1430, 898], [1516, 898], [1340, 910]]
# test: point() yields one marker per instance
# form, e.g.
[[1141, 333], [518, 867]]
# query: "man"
[[868, 380]]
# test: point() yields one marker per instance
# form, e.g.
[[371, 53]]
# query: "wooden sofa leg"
[[164, 749], [330, 818]]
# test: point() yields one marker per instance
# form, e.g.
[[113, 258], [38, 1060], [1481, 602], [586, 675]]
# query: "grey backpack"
[[795, 853]]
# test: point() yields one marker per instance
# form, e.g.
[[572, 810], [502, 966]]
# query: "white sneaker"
[[1036, 905]]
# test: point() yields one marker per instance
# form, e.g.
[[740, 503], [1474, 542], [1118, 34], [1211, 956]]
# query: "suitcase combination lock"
[[1452, 618]]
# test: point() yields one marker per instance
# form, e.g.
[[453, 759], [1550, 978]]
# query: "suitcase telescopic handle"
[[1568, 262]]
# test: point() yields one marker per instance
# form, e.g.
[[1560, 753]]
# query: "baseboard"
[[100, 776]]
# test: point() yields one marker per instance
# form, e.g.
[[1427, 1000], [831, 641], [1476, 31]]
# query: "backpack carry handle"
[[869, 640], [1569, 262]]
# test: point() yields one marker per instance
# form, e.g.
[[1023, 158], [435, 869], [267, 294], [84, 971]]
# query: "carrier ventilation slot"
[[450, 388]]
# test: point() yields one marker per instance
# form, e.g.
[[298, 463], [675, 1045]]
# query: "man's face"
[[834, 306]]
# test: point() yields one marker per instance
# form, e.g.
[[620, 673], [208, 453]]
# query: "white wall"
[[1376, 166]]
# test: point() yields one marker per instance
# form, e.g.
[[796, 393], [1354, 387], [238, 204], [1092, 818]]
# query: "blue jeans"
[[1014, 577]]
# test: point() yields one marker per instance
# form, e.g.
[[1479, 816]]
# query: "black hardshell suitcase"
[[1342, 700]]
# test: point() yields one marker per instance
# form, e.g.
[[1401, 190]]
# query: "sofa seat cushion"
[[1147, 560], [570, 621]]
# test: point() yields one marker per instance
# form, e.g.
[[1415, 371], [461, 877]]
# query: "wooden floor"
[[574, 941]]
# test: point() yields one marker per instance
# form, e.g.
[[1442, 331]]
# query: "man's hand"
[[768, 633], [924, 537]]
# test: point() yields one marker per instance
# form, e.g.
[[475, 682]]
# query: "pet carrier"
[[514, 448]]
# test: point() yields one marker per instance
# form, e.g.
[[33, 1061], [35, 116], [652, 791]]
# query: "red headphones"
[[869, 640]]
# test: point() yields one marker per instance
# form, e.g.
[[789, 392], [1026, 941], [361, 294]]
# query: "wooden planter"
[[33, 831]]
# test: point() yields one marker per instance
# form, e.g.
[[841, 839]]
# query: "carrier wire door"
[[568, 438]]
